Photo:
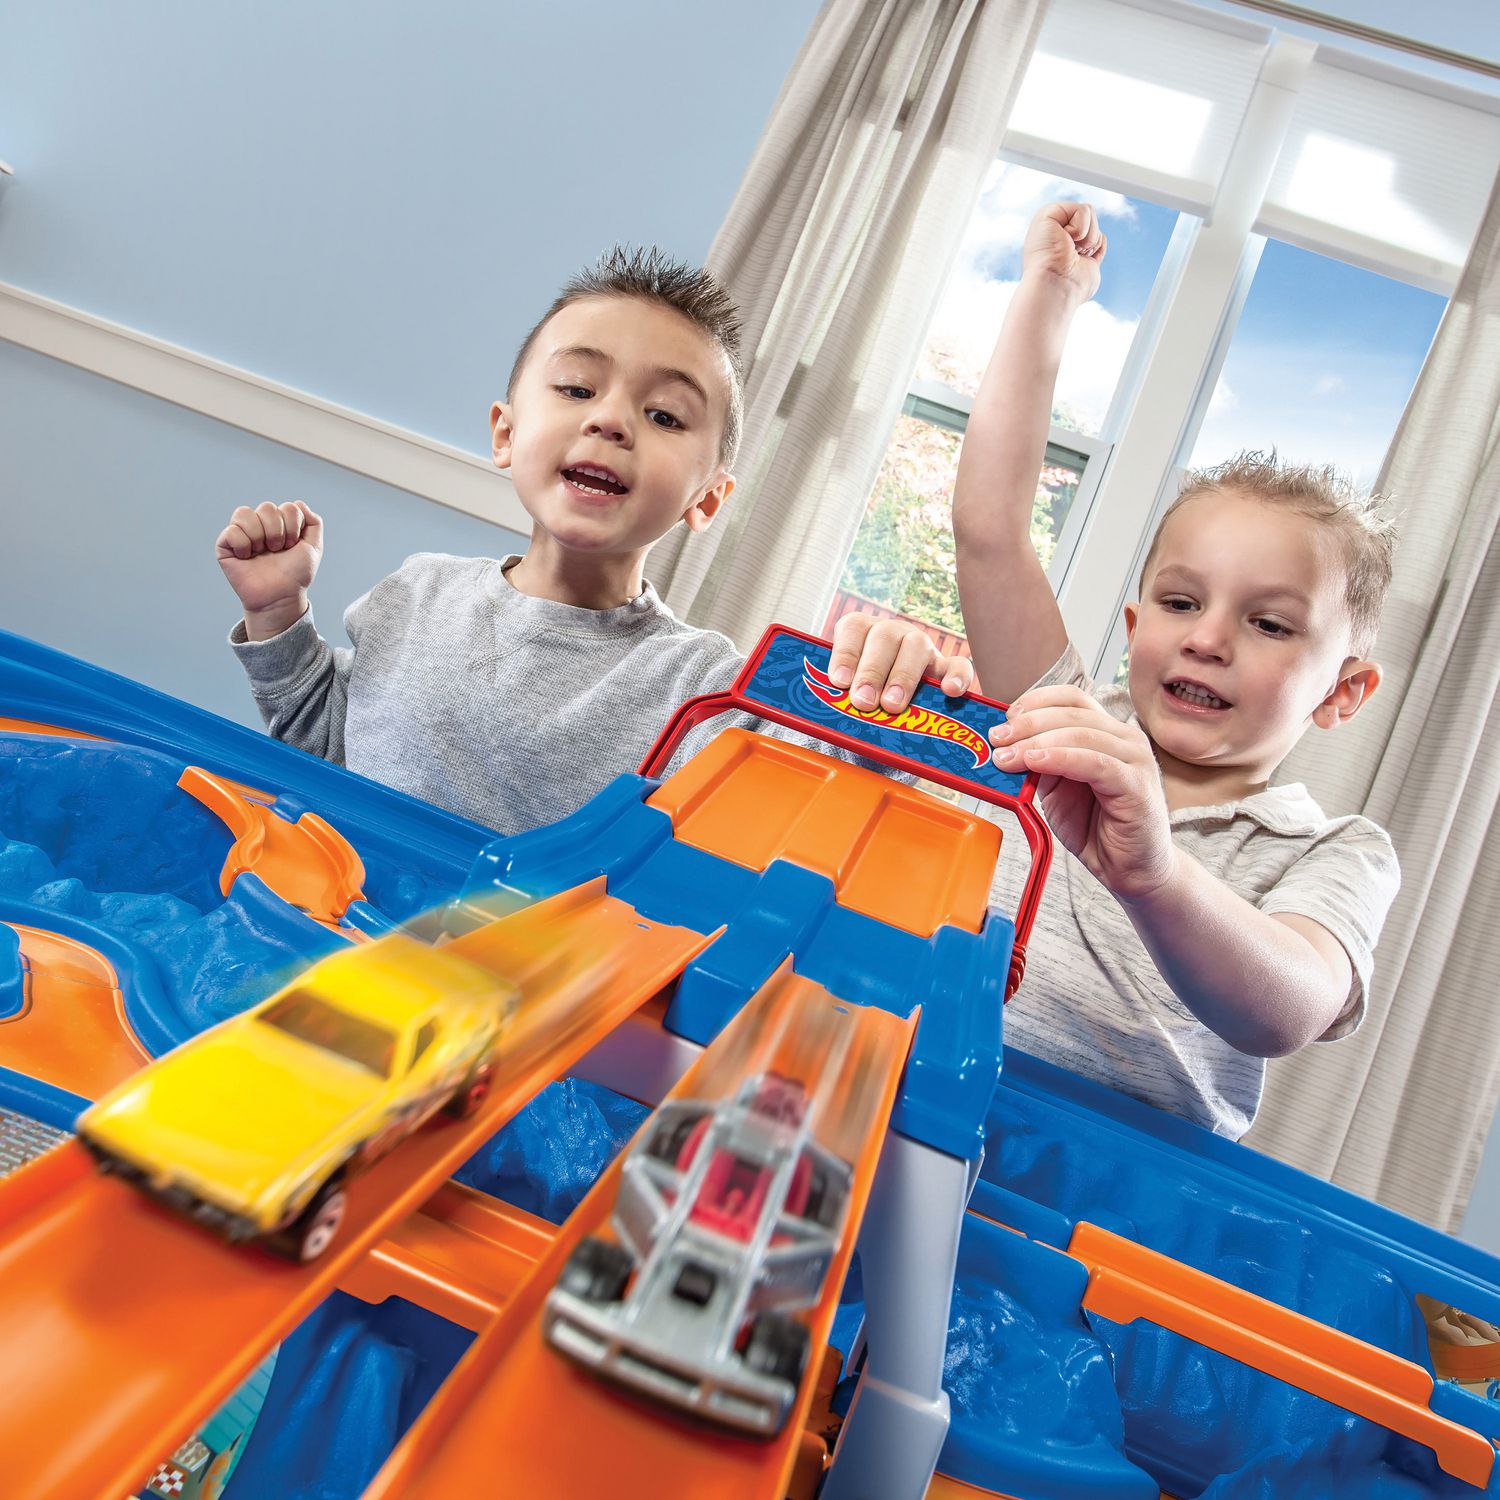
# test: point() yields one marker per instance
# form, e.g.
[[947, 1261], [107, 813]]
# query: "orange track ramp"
[[892, 852], [515, 1417], [71, 1030], [309, 863], [1128, 1281], [123, 1327]]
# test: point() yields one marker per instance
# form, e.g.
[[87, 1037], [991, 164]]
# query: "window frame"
[[1131, 471], [939, 405]]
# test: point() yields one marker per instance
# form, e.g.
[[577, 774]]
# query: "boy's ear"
[[1357, 681], [501, 435], [700, 514], [1132, 617]]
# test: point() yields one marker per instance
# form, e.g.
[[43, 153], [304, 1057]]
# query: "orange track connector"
[[309, 863], [71, 1030], [462, 1257], [92, 1272], [1128, 1281], [485, 1431]]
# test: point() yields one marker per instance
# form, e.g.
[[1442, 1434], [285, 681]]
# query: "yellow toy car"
[[254, 1127]]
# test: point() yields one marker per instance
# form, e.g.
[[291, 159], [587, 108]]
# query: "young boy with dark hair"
[[510, 691], [1202, 919]]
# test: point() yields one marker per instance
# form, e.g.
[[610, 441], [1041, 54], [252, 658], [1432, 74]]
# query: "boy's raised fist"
[[1065, 242], [270, 556]]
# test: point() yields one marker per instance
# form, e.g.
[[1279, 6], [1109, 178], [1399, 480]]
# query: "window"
[[426, 1036], [1321, 364], [901, 563], [1286, 220], [1322, 361], [311, 1019]]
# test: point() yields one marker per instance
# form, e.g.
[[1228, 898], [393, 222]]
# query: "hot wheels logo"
[[911, 719]]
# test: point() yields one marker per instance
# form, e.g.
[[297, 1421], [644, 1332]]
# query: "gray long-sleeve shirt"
[[461, 690]]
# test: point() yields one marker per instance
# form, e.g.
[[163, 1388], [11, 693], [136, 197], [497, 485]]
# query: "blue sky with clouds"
[[1320, 366]]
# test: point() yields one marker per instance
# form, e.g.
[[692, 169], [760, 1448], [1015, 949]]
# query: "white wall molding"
[[394, 456]]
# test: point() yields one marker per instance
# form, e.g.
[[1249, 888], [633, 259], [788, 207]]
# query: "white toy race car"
[[728, 1216]]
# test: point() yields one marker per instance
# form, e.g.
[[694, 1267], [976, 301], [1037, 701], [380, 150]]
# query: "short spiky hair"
[[1362, 520], [650, 276]]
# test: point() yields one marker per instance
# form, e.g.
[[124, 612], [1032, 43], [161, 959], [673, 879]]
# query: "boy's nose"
[[1208, 637], [607, 424]]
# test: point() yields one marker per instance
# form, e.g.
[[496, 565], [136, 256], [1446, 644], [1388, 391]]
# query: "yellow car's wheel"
[[316, 1228], [474, 1091]]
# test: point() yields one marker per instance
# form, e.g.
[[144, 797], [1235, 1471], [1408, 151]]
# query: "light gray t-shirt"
[[461, 690], [1092, 999]]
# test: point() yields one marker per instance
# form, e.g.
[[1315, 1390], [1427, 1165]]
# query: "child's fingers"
[[1080, 224], [268, 513], [292, 522], [250, 526], [312, 525], [877, 658], [232, 542], [913, 657], [1083, 735], [1019, 727], [1107, 774], [1060, 694], [957, 675], [848, 642]]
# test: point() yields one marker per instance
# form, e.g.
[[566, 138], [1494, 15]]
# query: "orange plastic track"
[[486, 1431], [1128, 1281], [71, 1030], [122, 1327], [1471, 1362], [462, 1256], [30, 726], [309, 863], [892, 852], [943, 1488]]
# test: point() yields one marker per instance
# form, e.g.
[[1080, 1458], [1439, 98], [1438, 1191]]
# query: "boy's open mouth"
[[593, 479], [1195, 695]]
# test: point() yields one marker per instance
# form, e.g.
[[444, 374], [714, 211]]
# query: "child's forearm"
[[1250, 977], [1010, 615], [1007, 433]]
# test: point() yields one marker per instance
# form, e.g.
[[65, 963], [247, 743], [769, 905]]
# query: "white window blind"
[[1385, 169], [1142, 96]]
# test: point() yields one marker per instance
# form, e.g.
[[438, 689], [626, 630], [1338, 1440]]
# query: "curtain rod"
[[1365, 33]]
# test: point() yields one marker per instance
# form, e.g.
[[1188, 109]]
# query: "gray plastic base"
[[908, 1248]]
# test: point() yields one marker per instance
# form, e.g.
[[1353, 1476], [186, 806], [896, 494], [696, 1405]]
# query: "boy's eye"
[[1272, 627], [574, 392], [662, 418], [1180, 606]]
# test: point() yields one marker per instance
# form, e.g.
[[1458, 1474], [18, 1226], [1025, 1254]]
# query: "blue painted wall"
[[111, 503], [367, 201]]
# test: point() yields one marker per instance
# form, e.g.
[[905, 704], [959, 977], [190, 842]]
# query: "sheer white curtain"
[[1400, 1111], [836, 247]]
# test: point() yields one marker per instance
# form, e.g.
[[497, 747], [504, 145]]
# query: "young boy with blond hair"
[[510, 691], [1202, 919]]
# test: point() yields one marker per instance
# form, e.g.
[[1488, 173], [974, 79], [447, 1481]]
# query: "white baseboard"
[[407, 460]]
